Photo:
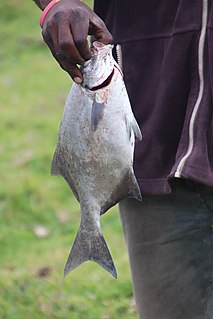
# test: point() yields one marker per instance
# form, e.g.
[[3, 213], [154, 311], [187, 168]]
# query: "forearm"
[[42, 3]]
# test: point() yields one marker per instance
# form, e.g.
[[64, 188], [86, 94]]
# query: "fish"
[[95, 150]]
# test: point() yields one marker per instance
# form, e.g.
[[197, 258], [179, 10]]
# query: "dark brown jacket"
[[167, 58]]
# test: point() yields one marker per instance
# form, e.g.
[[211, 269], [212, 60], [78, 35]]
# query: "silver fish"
[[94, 152]]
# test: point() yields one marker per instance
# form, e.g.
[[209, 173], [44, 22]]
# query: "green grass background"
[[33, 90]]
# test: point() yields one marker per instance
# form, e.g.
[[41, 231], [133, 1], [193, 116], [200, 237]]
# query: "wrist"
[[51, 4], [42, 3]]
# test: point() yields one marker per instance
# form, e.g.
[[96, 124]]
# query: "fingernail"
[[77, 80]]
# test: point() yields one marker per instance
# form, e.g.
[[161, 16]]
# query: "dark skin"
[[65, 31]]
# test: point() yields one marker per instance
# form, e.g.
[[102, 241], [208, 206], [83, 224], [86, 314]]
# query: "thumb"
[[99, 31]]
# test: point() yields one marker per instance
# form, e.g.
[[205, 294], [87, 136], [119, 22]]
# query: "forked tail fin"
[[90, 246]]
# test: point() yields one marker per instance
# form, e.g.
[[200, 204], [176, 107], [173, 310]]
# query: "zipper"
[[201, 88], [119, 56]]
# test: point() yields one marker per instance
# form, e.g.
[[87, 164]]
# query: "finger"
[[50, 35], [80, 35], [67, 45], [70, 68], [98, 29], [51, 38], [49, 42], [73, 71], [52, 31]]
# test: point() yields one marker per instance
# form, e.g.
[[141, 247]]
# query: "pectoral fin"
[[96, 114]]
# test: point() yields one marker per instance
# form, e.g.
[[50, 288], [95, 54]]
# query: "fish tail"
[[90, 246]]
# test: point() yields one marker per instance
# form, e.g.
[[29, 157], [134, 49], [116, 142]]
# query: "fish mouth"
[[99, 70], [98, 46]]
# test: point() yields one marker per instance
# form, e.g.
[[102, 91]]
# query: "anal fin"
[[127, 187], [134, 189]]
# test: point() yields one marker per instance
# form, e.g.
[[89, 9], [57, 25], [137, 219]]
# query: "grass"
[[33, 90]]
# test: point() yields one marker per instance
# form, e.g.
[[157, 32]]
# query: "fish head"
[[99, 67]]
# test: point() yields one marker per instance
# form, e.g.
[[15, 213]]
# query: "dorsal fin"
[[58, 167]]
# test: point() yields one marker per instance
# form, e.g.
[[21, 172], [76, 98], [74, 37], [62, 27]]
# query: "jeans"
[[170, 245]]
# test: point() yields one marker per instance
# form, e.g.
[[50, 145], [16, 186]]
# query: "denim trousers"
[[170, 245]]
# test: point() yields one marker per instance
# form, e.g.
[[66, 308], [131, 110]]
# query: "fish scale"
[[94, 152]]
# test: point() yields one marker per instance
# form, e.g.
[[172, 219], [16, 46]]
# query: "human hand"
[[65, 31]]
